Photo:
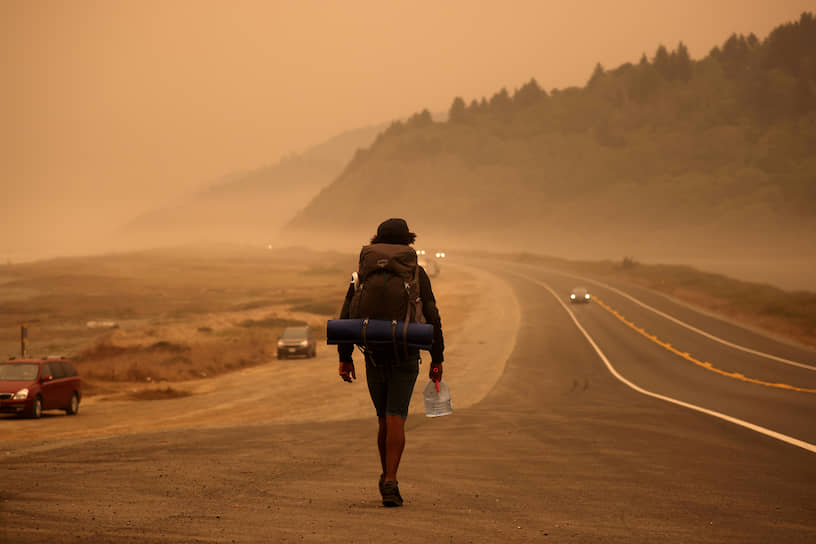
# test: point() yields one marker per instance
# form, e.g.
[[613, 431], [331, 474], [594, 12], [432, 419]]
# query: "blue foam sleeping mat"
[[378, 332]]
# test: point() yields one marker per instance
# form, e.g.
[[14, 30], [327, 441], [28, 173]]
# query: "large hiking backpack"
[[387, 288]]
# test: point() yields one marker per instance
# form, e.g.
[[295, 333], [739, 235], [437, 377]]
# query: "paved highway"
[[669, 349]]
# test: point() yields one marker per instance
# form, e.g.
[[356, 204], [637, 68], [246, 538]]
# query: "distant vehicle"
[[438, 254], [296, 341], [429, 264], [30, 386], [580, 295]]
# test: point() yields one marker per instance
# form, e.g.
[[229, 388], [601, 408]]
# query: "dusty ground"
[[285, 452], [298, 390]]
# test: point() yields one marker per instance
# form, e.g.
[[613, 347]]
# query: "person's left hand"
[[435, 372], [347, 372]]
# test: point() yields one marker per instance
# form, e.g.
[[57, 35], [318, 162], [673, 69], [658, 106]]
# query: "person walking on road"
[[387, 269]]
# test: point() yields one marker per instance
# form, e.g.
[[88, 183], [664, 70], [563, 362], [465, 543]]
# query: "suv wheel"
[[73, 408]]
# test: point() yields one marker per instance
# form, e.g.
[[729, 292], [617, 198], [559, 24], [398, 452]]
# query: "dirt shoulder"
[[480, 319]]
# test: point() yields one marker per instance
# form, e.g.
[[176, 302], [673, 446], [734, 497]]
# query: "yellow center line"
[[685, 355]]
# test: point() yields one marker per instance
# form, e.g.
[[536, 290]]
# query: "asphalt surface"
[[766, 401], [559, 450]]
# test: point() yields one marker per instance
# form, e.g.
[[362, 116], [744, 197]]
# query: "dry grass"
[[184, 314], [181, 314], [159, 394]]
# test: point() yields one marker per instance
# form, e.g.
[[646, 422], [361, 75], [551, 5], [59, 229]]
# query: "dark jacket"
[[429, 310]]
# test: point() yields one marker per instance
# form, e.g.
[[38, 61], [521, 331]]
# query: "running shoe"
[[390, 494]]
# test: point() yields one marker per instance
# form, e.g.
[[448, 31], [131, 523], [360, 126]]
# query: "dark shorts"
[[391, 385]]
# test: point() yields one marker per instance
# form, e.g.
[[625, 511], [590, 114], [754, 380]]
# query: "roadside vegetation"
[[168, 315]]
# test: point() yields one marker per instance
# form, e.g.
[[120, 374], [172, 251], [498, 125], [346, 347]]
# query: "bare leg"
[[394, 444]]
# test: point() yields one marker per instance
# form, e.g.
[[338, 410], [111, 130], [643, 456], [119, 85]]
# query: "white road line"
[[757, 428], [686, 325]]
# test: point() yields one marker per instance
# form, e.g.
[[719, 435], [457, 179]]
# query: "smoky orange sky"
[[110, 108]]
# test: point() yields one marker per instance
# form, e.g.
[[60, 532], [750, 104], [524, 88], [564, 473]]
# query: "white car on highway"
[[580, 295]]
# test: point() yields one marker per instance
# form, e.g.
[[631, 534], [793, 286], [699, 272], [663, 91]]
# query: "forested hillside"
[[666, 154]]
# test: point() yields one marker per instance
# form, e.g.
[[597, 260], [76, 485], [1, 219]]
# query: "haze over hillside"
[[662, 156], [250, 206]]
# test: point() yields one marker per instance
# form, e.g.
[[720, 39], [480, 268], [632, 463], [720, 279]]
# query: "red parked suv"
[[29, 386]]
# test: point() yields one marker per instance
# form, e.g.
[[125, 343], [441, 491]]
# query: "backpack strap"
[[368, 355], [394, 341], [365, 326], [411, 307]]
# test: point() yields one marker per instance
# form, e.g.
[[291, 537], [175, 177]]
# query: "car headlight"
[[304, 343], [280, 343], [572, 295], [22, 394], [586, 296]]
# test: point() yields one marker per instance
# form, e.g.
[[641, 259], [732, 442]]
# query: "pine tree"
[[662, 62], [681, 68], [420, 119], [643, 82], [457, 112], [529, 94], [804, 98], [596, 77], [500, 102]]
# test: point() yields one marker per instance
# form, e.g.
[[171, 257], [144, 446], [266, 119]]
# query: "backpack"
[[387, 289], [388, 285]]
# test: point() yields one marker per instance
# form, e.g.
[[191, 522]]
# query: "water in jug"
[[437, 399]]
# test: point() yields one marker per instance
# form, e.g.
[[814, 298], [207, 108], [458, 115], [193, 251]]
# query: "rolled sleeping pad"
[[378, 332]]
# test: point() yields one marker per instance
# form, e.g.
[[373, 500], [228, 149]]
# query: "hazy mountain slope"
[[250, 206], [669, 156]]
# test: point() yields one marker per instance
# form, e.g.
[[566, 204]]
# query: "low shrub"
[[272, 322], [159, 394], [102, 350], [252, 305], [319, 308], [172, 347]]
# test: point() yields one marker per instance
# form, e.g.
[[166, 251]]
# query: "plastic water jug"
[[437, 399]]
